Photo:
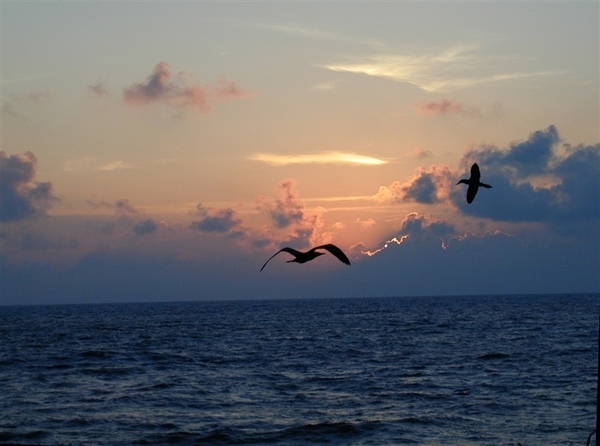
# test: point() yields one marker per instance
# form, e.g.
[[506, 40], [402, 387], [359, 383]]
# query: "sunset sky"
[[164, 151]]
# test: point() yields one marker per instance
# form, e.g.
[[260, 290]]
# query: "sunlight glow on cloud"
[[458, 67], [317, 158], [393, 240]]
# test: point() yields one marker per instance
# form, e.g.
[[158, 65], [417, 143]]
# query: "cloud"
[[9, 111], [327, 85], [124, 222], [31, 241], [538, 179], [428, 186], [288, 222], [98, 89], [535, 181], [219, 221], [457, 67], [180, 90], [114, 165], [476, 265], [420, 153], [445, 107], [227, 89], [366, 224], [317, 158], [425, 225], [144, 227], [285, 210], [34, 96], [414, 226], [293, 223], [20, 197], [121, 206], [313, 33], [84, 164]]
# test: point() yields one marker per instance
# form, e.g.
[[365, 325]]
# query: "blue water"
[[493, 370]]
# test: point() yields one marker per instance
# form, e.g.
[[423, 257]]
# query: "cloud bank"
[[534, 180], [538, 180]]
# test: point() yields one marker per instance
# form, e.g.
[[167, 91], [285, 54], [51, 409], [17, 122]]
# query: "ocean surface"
[[478, 370]]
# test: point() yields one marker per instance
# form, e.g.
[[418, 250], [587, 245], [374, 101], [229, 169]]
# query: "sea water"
[[477, 370]]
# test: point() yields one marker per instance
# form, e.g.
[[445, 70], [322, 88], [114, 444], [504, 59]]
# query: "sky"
[[160, 151]]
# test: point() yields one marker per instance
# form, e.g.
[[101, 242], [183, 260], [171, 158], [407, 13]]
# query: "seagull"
[[303, 257], [474, 183]]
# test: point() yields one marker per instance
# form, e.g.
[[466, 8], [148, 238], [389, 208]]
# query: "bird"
[[303, 257], [474, 183]]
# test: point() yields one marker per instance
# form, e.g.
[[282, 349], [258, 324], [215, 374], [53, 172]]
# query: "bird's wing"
[[263, 267], [335, 251], [487, 186], [286, 249], [475, 174], [471, 192]]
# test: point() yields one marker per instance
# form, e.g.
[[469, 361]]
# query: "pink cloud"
[[444, 107], [180, 90], [226, 89]]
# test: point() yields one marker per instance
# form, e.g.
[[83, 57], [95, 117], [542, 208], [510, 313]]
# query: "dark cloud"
[[20, 197], [520, 159], [220, 221], [422, 190], [419, 225], [534, 182], [144, 227], [428, 186]]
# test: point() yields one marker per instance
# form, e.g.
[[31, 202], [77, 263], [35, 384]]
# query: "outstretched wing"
[[475, 174], [286, 249], [335, 251]]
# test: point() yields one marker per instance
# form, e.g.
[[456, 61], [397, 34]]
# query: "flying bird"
[[303, 257], [474, 183]]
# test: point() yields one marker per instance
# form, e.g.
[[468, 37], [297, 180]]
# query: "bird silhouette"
[[474, 183], [303, 257]]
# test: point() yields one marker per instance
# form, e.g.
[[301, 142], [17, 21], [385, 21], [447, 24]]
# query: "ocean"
[[472, 370]]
